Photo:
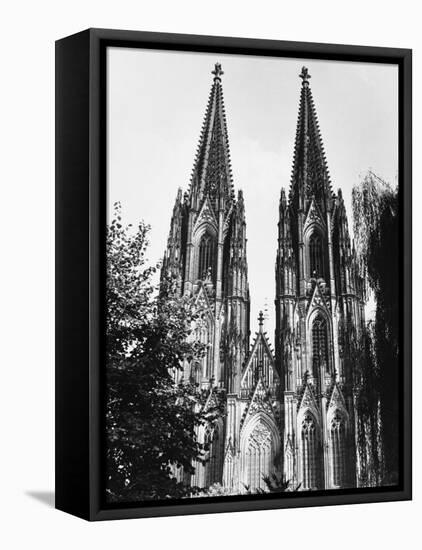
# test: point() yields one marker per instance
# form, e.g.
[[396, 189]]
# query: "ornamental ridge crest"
[[227, 220]]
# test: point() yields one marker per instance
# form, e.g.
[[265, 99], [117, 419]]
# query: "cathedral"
[[289, 408]]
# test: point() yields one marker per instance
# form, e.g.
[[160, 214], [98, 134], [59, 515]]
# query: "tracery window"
[[338, 450], [316, 257], [311, 459], [206, 255], [215, 464], [259, 457], [319, 344]]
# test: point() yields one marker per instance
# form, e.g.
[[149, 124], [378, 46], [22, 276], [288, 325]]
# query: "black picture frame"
[[80, 260]]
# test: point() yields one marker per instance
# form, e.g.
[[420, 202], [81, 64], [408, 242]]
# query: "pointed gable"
[[260, 364], [336, 401], [308, 401], [319, 300], [206, 216], [202, 301], [260, 401], [314, 216]]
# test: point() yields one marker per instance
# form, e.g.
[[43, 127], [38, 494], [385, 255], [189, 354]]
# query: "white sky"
[[156, 105]]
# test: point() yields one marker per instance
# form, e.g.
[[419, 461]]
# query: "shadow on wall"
[[45, 497]]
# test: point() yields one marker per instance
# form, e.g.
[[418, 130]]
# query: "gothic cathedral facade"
[[288, 411]]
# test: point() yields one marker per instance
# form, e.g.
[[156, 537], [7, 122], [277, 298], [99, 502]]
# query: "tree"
[[151, 422], [376, 229], [367, 384]]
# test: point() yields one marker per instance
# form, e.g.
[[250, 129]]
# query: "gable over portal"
[[260, 364]]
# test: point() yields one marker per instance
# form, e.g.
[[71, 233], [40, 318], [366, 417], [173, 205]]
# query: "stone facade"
[[288, 412]]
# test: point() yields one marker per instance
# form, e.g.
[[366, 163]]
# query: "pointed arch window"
[[204, 335], [316, 256], [260, 454], [206, 256], [338, 450], [214, 466], [319, 345], [195, 373], [311, 459]]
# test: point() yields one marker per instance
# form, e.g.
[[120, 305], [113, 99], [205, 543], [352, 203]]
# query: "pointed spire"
[[240, 197], [282, 204], [172, 260], [261, 321], [212, 174], [310, 176]]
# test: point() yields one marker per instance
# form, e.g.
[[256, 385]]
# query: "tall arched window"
[[204, 335], [195, 373], [311, 457], [319, 345], [316, 256], [214, 466], [338, 450], [206, 255], [260, 454]]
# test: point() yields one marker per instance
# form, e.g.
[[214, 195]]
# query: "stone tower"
[[206, 257], [319, 315]]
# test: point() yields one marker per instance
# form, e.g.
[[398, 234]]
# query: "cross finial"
[[261, 320], [218, 71], [305, 76]]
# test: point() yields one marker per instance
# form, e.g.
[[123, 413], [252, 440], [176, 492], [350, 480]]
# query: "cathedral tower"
[[319, 315], [206, 258]]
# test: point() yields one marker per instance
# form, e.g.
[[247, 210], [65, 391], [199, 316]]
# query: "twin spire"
[[212, 173]]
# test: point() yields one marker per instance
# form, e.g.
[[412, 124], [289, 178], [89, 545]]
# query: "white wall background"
[[27, 272]]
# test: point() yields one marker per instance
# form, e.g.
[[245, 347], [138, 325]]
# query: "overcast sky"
[[156, 106]]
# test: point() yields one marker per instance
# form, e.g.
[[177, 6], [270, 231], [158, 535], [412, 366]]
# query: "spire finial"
[[305, 76], [217, 72], [261, 320]]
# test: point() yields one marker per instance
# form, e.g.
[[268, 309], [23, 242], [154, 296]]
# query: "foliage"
[[274, 484], [280, 484], [376, 229], [151, 422], [367, 382], [217, 490]]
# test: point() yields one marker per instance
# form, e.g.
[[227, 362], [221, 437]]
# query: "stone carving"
[[314, 216], [260, 435], [257, 384]]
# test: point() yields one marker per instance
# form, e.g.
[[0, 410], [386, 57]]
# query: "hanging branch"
[[375, 223]]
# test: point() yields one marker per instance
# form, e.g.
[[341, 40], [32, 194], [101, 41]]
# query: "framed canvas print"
[[233, 274]]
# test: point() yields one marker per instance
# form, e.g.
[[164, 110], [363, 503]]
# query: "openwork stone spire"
[[310, 177], [212, 175]]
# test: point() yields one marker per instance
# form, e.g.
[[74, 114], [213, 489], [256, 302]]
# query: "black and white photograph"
[[210, 236], [252, 292]]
